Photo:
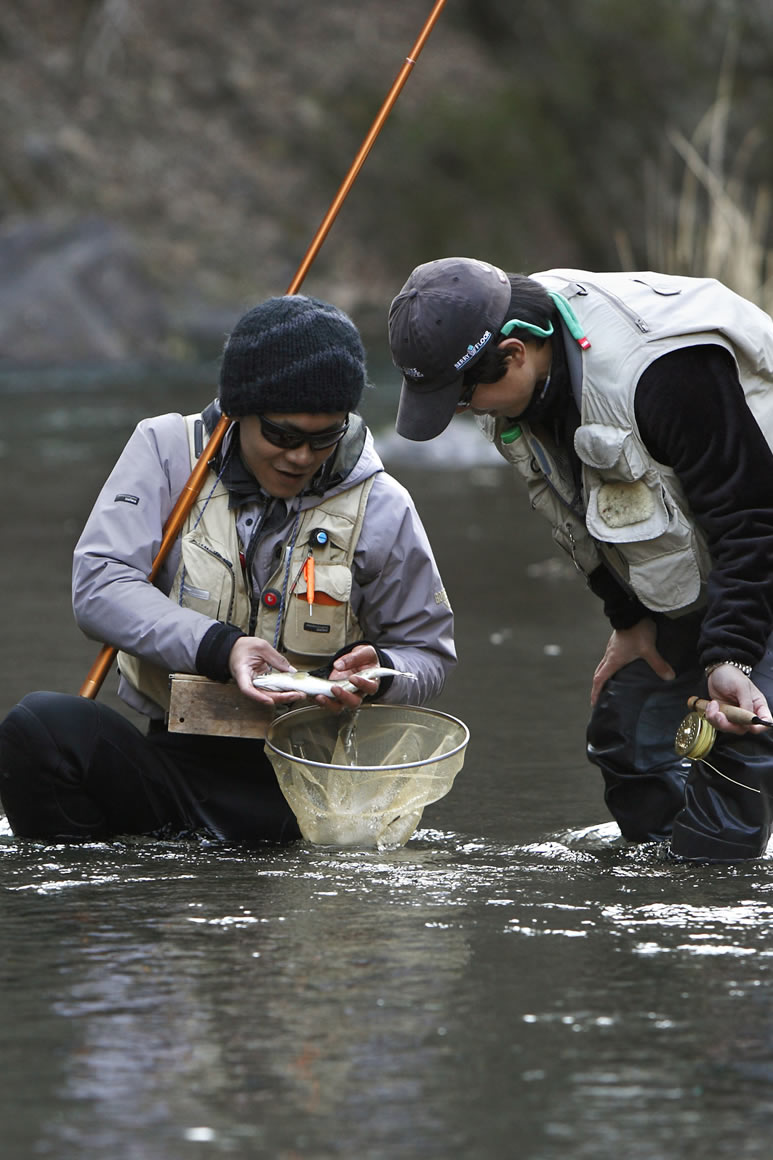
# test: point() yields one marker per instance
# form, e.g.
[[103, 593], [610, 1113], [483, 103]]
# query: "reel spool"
[[694, 737]]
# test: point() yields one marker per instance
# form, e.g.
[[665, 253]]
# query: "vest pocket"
[[656, 545], [207, 582], [668, 581], [604, 448], [625, 511], [321, 630]]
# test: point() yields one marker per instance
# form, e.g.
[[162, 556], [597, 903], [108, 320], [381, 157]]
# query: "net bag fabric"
[[364, 778]]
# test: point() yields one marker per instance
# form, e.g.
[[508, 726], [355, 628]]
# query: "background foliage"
[[600, 134]]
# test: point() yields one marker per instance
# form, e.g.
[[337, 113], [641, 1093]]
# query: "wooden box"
[[199, 705]]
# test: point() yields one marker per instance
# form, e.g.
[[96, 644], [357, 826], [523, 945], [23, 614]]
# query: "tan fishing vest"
[[633, 513], [210, 578]]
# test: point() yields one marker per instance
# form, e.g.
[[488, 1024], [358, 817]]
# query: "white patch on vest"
[[196, 593], [620, 504], [441, 597]]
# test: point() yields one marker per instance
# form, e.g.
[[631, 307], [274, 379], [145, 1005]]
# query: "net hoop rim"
[[317, 709]]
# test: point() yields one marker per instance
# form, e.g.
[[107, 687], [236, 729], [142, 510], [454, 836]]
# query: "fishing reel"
[[695, 736]]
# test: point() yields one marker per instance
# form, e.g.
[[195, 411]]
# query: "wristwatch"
[[736, 665]]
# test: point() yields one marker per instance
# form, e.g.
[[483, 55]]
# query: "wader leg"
[[723, 821], [631, 735], [231, 786], [631, 740], [72, 769]]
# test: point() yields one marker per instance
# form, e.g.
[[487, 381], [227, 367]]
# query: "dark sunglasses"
[[489, 372], [466, 397], [290, 437]]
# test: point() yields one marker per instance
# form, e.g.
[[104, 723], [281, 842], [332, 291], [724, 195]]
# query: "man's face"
[[527, 365], [285, 471]]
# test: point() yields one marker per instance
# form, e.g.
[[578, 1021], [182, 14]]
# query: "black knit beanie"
[[290, 355]]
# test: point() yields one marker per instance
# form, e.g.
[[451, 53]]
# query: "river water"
[[512, 983]]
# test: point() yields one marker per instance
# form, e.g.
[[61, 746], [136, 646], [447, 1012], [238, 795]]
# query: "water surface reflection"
[[514, 982]]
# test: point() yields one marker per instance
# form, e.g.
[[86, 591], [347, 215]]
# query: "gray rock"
[[74, 292]]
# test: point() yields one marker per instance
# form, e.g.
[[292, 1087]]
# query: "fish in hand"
[[312, 686]]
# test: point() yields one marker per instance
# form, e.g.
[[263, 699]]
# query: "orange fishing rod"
[[185, 501]]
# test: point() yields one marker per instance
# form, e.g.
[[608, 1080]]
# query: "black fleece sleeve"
[[215, 649], [384, 659], [693, 416], [621, 607]]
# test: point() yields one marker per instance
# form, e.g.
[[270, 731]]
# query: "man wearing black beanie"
[[296, 481]]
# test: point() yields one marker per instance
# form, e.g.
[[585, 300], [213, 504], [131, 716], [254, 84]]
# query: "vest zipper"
[[249, 556], [572, 546], [622, 307], [229, 568], [541, 461]]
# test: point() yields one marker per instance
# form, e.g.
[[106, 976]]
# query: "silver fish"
[[318, 686]]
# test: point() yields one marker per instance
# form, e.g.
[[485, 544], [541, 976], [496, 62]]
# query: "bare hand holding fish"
[[347, 686], [251, 656]]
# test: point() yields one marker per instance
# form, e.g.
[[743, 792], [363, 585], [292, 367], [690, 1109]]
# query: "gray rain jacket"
[[397, 594]]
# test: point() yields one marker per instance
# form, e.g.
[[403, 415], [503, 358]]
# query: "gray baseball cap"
[[441, 321]]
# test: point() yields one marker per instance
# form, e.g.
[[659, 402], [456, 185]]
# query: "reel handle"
[[735, 715], [695, 736]]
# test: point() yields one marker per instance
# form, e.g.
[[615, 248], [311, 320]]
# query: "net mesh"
[[364, 778]]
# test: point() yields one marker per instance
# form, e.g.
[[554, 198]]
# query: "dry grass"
[[717, 224]]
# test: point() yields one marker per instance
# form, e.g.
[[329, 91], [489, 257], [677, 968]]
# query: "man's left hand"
[[729, 684], [347, 668]]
